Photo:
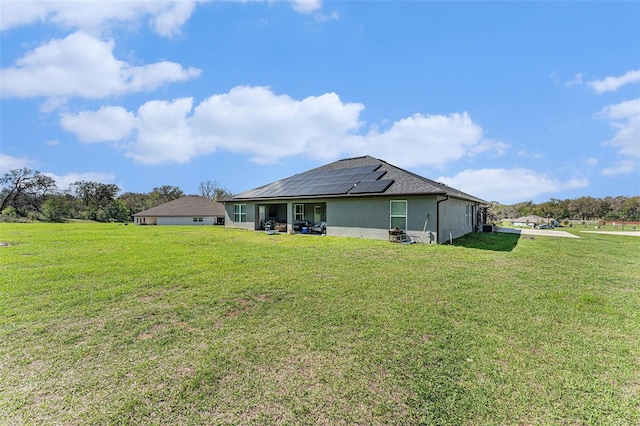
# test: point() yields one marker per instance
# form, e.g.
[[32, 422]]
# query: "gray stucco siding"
[[229, 216], [369, 217], [453, 217], [185, 220]]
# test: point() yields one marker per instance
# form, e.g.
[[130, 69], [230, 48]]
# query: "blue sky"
[[508, 101]]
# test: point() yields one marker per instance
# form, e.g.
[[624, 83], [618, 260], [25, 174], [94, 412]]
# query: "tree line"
[[30, 194], [583, 208]]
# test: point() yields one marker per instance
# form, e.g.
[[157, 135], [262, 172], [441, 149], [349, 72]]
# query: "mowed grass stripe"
[[113, 324]]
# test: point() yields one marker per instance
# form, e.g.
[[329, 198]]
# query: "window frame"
[[392, 216], [240, 213], [298, 216]]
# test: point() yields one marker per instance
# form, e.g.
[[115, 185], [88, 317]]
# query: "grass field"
[[112, 324]]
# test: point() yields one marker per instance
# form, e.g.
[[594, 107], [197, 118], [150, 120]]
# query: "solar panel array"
[[353, 180]]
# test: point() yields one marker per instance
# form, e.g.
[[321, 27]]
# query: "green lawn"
[[112, 324]]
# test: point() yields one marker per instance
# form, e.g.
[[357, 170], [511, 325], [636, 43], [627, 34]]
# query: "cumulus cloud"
[[83, 65], [165, 134], [106, 124], [509, 185], [256, 121], [63, 182], [8, 162], [269, 127], [611, 84], [165, 17], [433, 140], [625, 121]]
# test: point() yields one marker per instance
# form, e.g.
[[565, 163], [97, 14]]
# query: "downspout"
[[438, 217]]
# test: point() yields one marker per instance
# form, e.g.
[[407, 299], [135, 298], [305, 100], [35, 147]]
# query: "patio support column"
[[289, 217]]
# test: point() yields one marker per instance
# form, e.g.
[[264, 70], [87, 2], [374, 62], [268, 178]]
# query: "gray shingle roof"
[[190, 205], [404, 183]]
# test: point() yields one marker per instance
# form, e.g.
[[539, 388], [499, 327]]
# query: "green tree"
[[135, 202], [57, 207], [118, 211], [25, 190], [164, 194], [93, 197]]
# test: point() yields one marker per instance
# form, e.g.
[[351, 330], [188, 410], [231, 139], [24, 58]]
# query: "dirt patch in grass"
[[243, 305], [314, 388]]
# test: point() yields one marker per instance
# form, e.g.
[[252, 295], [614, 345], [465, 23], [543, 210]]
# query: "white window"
[[240, 213], [398, 209], [197, 219], [468, 215], [298, 212]]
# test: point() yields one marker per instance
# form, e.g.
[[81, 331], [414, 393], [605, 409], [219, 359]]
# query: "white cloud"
[[165, 135], [63, 182], [321, 18], [622, 167], [509, 185], [306, 6], [256, 121], [8, 162], [534, 155], [432, 140], [625, 120], [82, 65], [611, 84], [577, 80], [165, 17], [268, 127], [106, 124], [591, 161]]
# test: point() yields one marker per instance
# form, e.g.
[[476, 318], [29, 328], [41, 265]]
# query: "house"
[[189, 210], [534, 221], [358, 197]]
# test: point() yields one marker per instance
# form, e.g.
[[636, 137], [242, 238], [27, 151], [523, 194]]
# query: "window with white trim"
[[398, 214], [197, 219], [298, 212], [240, 213], [468, 215]]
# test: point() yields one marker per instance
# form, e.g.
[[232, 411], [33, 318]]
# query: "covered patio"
[[306, 218]]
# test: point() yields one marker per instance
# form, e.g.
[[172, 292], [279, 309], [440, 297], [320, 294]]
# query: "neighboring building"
[[358, 197], [534, 221], [189, 210]]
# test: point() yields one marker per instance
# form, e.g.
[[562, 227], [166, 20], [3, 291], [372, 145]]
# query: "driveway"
[[543, 232], [628, 233]]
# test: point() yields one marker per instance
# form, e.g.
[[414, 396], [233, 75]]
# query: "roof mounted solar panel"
[[371, 186], [324, 182]]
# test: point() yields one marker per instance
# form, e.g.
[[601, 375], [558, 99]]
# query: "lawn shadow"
[[495, 241]]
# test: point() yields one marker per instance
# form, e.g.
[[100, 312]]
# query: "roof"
[[190, 205], [351, 177]]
